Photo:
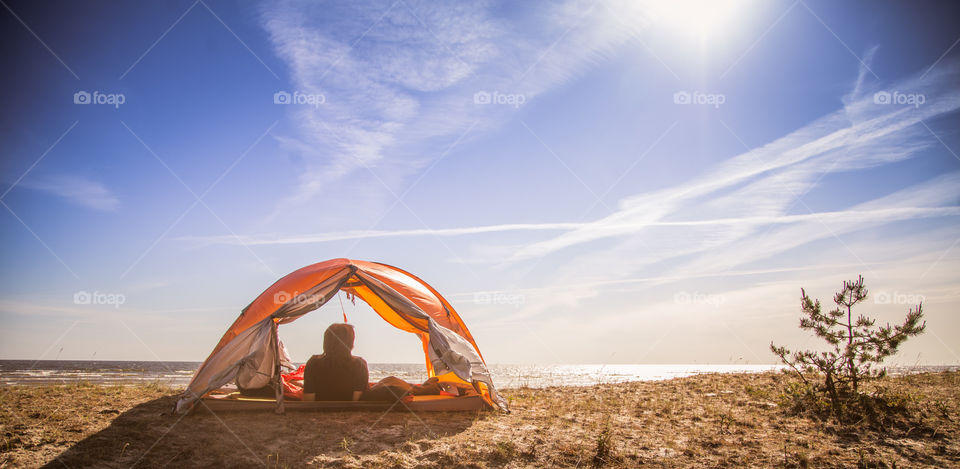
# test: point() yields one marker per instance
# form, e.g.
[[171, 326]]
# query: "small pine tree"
[[856, 344]]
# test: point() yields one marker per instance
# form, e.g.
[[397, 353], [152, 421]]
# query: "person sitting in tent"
[[335, 375]]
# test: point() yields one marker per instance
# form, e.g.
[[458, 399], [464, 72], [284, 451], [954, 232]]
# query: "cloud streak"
[[846, 216], [762, 189], [77, 190], [779, 172]]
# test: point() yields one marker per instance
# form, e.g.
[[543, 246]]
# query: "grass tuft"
[[604, 446]]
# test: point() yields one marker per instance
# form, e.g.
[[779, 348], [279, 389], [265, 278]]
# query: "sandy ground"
[[703, 421]]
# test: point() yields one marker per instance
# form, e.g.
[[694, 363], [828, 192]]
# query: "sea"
[[178, 374]]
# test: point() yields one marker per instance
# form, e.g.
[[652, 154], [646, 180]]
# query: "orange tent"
[[249, 353]]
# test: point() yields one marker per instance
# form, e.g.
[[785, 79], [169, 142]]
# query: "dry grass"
[[702, 421]]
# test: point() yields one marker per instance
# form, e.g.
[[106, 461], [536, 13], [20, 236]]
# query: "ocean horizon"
[[179, 373]]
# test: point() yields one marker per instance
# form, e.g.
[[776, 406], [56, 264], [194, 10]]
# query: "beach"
[[178, 374], [706, 420]]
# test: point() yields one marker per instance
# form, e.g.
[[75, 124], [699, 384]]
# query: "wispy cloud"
[[85, 312], [769, 179], [399, 75], [888, 214], [75, 189], [763, 191]]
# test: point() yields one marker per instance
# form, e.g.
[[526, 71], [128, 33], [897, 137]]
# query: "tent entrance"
[[377, 341], [251, 346]]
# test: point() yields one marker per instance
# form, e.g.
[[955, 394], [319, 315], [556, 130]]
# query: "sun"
[[700, 19]]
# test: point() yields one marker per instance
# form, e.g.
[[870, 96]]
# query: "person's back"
[[335, 375], [330, 379]]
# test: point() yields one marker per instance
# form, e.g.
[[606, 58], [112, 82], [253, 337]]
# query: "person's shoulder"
[[314, 359], [359, 361]]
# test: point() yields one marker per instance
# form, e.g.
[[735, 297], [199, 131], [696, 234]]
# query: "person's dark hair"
[[338, 341]]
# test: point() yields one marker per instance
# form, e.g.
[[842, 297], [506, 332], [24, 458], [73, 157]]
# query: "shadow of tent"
[[148, 435]]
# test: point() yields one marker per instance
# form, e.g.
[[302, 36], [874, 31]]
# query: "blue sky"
[[633, 182]]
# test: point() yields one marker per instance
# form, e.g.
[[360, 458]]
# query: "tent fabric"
[[223, 366], [250, 352]]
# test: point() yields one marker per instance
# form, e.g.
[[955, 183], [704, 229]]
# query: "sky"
[[615, 182]]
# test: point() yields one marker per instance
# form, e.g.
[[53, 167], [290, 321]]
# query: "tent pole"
[[276, 370]]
